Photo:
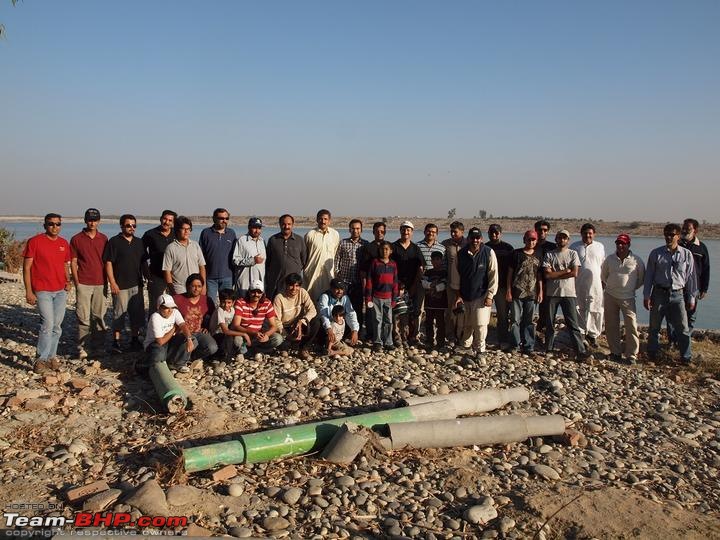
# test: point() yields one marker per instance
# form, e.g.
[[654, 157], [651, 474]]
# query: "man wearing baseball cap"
[[478, 268], [622, 273], [560, 267], [167, 339], [88, 272], [249, 257], [410, 264]]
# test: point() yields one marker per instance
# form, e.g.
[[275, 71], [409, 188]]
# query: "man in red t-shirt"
[[46, 274], [88, 273], [196, 309]]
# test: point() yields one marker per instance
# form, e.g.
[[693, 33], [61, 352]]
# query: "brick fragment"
[[226, 473], [80, 493]]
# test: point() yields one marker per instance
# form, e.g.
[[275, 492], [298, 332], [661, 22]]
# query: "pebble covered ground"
[[651, 431]]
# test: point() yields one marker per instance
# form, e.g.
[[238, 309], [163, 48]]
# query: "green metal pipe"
[[296, 440], [173, 396]]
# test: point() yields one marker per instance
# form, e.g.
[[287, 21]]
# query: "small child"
[[401, 316], [336, 346], [435, 284], [381, 289], [231, 342]]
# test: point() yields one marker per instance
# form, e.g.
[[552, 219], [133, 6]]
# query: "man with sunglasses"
[[88, 272], [125, 266], [670, 290], [46, 275], [217, 243]]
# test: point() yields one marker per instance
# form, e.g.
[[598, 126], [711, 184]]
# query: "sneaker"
[[390, 347], [115, 348], [184, 369], [615, 357], [41, 366], [592, 341], [631, 360], [377, 348], [54, 363], [584, 357]]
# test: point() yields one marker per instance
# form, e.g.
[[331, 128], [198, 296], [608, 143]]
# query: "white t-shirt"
[[220, 316], [338, 329], [158, 325]]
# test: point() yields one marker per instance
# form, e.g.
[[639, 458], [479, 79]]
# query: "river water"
[[708, 311]]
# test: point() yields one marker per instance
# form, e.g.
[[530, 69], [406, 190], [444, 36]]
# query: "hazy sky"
[[577, 109]]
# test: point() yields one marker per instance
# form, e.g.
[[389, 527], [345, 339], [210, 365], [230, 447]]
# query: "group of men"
[[577, 278]]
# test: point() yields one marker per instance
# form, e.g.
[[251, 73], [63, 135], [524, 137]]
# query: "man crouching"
[[168, 338]]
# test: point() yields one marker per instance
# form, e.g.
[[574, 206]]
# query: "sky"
[[603, 110]]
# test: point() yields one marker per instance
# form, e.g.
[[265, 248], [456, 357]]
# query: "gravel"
[[641, 428]]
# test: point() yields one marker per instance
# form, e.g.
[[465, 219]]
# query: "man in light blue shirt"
[[670, 290]]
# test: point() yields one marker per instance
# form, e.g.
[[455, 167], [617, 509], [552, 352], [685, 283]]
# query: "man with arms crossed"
[[88, 272], [156, 241]]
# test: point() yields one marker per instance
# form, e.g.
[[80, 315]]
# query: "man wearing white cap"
[[410, 264], [256, 317], [168, 338]]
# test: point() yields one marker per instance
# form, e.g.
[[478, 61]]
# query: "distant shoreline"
[[710, 231]]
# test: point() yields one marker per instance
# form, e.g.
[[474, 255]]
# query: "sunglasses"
[[130, 226], [54, 223]]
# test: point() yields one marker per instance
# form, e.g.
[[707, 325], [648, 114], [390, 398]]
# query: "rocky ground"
[[645, 462]]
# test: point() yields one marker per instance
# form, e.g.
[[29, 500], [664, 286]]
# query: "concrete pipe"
[[472, 431], [476, 401]]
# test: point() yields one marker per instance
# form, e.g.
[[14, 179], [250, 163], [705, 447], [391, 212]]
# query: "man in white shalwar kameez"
[[322, 243], [588, 285]]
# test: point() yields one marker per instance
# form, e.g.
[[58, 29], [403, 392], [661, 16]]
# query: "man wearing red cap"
[[622, 273]]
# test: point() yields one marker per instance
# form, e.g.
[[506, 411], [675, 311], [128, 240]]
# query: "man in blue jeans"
[[47, 279], [217, 243], [560, 268], [168, 338], [669, 291]]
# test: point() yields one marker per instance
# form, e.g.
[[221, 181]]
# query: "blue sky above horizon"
[[606, 110]]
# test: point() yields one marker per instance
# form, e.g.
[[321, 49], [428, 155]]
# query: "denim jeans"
[[670, 305], [214, 286], [382, 308], [502, 312], [568, 304], [206, 345], [51, 305], [522, 329], [174, 352]]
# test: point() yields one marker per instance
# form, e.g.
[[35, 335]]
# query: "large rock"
[[150, 499], [480, 514], [180, 495]]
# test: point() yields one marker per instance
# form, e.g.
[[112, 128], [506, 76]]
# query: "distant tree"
[[2, 26], [451, 213], [482, 214], [634, 225]]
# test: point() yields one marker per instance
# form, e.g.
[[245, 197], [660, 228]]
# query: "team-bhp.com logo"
[[94, 519]]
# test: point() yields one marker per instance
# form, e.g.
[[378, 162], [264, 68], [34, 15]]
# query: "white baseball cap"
[[407, 224], [166, 300], [256, 285]]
